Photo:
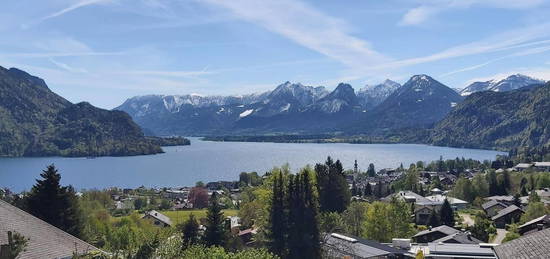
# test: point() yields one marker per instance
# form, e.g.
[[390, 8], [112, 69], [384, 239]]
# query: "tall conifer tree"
[[215, 232]]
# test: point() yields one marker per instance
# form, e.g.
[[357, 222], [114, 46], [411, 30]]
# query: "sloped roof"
[[159, 216], [532, 246], [545, 218], [460, 237], [506, 211], [492, 203], [441, 198], [361, 248], [45, 240], [443, 229]]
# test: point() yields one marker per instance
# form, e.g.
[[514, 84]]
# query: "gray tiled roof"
[[506, 211], [357, 247], [443, 229], [45, 240], [532, 246], [460, 237], [492, 203], [539, 219]]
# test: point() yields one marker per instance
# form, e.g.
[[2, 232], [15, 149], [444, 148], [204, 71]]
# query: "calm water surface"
[[213, 161]]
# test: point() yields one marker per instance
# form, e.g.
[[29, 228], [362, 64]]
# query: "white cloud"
[[75, 6], [67, 67], [507, 40], [423, 12], [521, 53], [306, 26], [418, 15]]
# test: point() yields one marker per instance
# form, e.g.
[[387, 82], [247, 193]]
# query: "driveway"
[[501, 233], [466, 219]]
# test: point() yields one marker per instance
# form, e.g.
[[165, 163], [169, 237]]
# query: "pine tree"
[[55, 204], [190, 232], [433, 220], [493, 184], [277, 217], [304, 237], [215, 233], [447, 214], [371, 172], [334, 193]]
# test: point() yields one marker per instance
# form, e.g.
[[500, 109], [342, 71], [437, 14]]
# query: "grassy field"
[[180, 216]]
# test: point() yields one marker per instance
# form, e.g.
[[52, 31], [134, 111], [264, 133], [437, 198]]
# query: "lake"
[[212, 161]]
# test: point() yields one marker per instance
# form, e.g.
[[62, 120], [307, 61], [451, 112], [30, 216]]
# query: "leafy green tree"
[[215, 233], [534, 197], [354, 217], [277, 216], [140, 203], [482, 228], [190, 232], [446, 214], [55, 204], [200, 252], [534, 210], [385, 221], [165, 204], [513, 233], [147, 249], [332, 222]]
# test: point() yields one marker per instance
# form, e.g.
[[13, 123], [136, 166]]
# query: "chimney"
[[540, 226]]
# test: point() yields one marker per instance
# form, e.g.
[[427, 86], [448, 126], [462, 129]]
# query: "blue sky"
[[105, 51]]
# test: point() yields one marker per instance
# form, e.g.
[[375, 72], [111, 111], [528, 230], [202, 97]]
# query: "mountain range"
[[298, 109], [509, 83], [34, 121]]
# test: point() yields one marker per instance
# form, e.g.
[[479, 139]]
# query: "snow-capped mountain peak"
[[509, 83]]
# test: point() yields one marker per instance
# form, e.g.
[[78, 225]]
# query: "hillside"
[[34, 121], [502, 120]]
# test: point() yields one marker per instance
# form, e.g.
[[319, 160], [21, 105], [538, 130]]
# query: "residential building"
[[508, 215], [456, 204], [535, 225], [492, 207], [157, 218], [45, 240]]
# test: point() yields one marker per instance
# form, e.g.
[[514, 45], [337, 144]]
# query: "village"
[[430, 192]]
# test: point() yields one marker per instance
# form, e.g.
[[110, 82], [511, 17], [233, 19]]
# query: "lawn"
[[180, 216]]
